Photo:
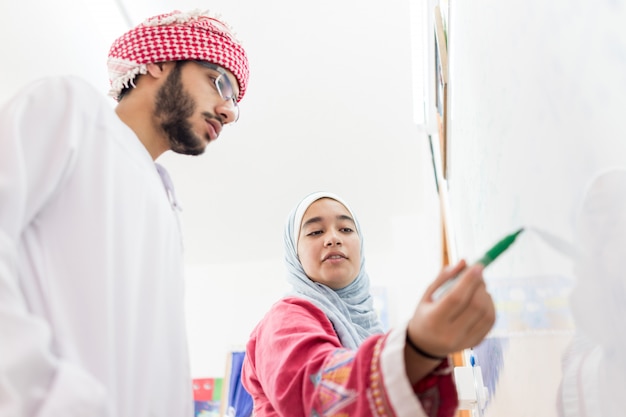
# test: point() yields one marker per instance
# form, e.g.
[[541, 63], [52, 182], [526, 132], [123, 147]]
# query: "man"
[[91, 284]]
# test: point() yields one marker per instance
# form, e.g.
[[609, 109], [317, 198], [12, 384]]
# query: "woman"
[[321, 351]]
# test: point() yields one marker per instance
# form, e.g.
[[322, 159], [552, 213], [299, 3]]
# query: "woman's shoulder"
[[294, 311], [295, 305], [291, 320]]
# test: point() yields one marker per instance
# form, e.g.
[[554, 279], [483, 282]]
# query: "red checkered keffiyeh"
[[176, 36]]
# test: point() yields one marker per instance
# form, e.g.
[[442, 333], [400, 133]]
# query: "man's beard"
[[173, 109]]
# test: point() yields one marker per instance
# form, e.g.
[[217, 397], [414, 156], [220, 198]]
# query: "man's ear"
[[157, 69]]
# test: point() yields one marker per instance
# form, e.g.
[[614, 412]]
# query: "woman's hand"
[[460, 319]]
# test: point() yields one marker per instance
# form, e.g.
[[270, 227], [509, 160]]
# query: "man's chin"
[[193, 151], [197, 149]]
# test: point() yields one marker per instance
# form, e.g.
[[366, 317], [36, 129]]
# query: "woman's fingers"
[[446, 274], [477, 333], [457, 300], [477, 322], [458, 320]]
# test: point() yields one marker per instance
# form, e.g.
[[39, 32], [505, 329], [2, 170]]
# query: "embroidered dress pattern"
[[330, 381], [377, 401]]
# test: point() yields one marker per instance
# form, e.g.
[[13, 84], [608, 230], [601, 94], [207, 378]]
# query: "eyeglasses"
[[223, 85]]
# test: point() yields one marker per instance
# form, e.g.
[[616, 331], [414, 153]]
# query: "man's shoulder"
[[62, 87], [72, 83]]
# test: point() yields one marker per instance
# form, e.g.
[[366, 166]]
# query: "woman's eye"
[[315, 232]]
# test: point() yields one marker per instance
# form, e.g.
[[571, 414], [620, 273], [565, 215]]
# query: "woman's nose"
[[332, 238]]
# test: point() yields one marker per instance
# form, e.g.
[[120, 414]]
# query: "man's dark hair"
[[126, 90]]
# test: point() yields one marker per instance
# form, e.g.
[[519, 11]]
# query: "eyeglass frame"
[[224, 74]]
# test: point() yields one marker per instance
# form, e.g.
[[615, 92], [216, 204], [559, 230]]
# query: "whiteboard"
[[537, 111]]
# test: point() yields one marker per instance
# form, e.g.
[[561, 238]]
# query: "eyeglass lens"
[[225, 88], [226, 91], [223, 85]]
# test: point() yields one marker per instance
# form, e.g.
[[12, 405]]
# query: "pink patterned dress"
[[295, 366]]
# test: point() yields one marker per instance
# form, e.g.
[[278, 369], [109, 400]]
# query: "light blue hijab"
[[350, 309]]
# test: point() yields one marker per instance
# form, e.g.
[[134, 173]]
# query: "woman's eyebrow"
[[310, 221], [319, 219], [345, 217]]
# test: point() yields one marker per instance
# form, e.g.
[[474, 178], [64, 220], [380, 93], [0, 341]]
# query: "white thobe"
[[91, 271]]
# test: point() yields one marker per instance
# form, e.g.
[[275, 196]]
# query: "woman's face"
[[329, 246]]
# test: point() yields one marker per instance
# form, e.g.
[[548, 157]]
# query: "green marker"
[[487, 258]]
